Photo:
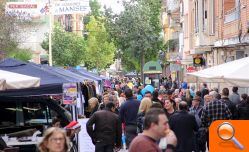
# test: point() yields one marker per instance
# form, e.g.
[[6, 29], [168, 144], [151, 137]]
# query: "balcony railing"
[[173, 5], [232, 15]]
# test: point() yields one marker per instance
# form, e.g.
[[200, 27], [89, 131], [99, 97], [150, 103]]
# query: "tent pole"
[[218, 87]]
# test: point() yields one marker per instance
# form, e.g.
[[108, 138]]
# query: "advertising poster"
[[69, 93]]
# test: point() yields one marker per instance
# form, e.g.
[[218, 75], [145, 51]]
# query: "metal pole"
[[50, 34]]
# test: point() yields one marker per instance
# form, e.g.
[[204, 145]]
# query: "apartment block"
[[232, 30]]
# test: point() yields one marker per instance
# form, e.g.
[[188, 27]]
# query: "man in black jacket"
[[184, 124], [231, 106], [107, 131]]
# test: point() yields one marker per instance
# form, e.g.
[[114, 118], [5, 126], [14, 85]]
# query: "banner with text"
[[70, 7], [26, 11]]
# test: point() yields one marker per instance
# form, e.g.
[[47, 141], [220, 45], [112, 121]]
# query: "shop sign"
[[191, 69], [69, 93], [198, 61]]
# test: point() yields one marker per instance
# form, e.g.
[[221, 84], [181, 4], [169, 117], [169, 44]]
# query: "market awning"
[[11, 80], [234, 73]]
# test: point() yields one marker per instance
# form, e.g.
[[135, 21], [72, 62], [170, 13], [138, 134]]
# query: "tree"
[[21, 54], [99, 51], [10, 35], [68, 49], [136, 32]]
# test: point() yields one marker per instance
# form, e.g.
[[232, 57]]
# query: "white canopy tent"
[[234, 73], [10, 80]]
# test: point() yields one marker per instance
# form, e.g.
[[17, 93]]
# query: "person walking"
[[183, 124], [143, 108], [169, 109], [231, 106], [243, 110], [107, 131], [234, 97], [214, 110], [128, 115], [155, 127]]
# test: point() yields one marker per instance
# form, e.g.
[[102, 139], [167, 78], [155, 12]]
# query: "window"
[[35, 113], [212, 17], [240, 54], [196, 17], [204, 11], [152, 68]]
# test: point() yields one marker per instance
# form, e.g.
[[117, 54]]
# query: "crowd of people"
[[172, 118]]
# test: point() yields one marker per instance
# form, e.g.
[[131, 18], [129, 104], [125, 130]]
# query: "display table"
[[15, 142]]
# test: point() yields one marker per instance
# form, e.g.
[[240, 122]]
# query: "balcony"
[[232, 15], [173, 6]]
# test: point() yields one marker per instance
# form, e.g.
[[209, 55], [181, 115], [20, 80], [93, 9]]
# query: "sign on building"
[[175, 67], [25, 10], [70, 7]]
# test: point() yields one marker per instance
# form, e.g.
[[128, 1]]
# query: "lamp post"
[[50, 34]]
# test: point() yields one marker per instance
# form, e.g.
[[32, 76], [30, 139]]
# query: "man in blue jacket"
[[128, 116]]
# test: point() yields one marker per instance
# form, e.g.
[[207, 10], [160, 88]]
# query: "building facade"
[[212, 31]]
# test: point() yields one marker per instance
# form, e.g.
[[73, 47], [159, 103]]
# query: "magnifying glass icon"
[[226, 132]]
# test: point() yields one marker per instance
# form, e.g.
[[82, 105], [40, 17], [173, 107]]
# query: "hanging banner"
[[70, 93], [25, 10], [70, 7]]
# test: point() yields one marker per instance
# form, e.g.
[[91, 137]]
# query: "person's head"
[[225, 92], [244, 96], [183, 106], [196, 101], [208, 98], [204, 85], [155, 95], [235, 89], [54, 140], [247, 99], [145, 105], [192, 87], [106, 98], [213, 95], [198, 93], [114, 99], [177, 91], [156, 105], [169, 104], [187, 93], [162, 92], [177, 101], [56, 122], [128, 93], [162, 87], [148, 94], [117, 87], [93, 102], [156, 122], [110, 106]]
